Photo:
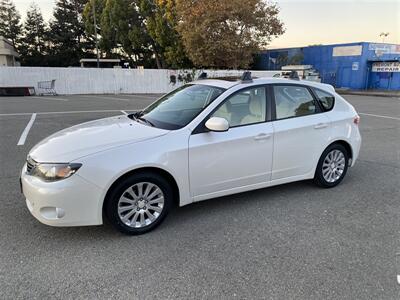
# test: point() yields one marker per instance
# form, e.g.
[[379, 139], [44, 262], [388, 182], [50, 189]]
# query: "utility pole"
[[95, 33]]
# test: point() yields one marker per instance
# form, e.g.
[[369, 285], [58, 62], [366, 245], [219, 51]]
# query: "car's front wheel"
[[139, 203], [332, 166]]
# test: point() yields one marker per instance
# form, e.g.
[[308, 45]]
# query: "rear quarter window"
[[327, 100]]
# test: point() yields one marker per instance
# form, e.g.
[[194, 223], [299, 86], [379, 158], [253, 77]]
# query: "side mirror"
[[217, 124]]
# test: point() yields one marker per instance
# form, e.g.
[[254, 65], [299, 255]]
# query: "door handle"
[[262, 136], [321, 125]]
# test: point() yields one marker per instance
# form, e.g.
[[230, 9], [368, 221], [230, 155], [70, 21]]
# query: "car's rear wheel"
[[139, 203], [332, 166]]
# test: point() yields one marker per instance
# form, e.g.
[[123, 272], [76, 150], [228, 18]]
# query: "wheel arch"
[[342, 142], [317, 176], [155, 170], [345, 144]]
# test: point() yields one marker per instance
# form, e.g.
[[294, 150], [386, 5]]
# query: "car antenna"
[[293, 75], [246, 77], [203, 75]]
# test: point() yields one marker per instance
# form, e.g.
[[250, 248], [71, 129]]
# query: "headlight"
[[54, 172]]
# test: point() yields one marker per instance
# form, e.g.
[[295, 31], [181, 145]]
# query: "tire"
[[334, 173], [127, 202]]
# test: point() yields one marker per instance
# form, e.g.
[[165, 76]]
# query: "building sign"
[[390, 66], [355, 65], [347, 50], [385, 48]]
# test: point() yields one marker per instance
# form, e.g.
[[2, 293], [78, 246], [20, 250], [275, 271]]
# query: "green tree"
[[105, 45], [142, 31], [33, 42], [226, 33], [117, 26], [296, 59], [282, 59], [155, 27], [121, 25], [161, 21], [122, 30], [10, 26], [67, 34]]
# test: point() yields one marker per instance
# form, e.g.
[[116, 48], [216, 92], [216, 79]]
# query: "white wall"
[[103, 81]]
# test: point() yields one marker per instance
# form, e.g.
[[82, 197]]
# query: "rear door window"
[[293, 101]]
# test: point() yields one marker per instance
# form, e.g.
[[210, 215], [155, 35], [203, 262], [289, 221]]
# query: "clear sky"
[[316, 21], [338, 21]]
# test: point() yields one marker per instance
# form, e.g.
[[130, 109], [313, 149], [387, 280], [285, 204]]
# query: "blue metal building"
[[355, 65]]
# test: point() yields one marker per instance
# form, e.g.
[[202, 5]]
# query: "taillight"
[[356, 120]]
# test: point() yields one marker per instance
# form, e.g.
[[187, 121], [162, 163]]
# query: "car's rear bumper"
[[356, 146], [69, 202]]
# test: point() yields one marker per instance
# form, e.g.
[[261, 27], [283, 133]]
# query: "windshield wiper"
[[146, 121], [137, 116]]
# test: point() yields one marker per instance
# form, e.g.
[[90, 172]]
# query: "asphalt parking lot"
[[295, 241]]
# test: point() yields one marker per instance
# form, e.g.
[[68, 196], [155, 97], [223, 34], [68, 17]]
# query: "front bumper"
[[69, 202]]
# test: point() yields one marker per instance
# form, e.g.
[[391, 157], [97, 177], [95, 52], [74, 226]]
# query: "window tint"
[[293, 101], [327, 100], [244, 108]]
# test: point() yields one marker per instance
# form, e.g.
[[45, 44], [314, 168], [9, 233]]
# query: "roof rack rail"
[[246, 77], [203, 75]]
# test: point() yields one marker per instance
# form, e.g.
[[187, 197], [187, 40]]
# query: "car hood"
[[91, 137]]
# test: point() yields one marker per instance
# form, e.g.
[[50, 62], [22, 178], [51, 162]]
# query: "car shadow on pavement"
[[188, 219]]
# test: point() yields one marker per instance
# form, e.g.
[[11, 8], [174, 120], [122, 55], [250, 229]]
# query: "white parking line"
[[47, 98], [63, 112], [26, 130], [379, 116], [104, 97], [124, 112], [145, 96]]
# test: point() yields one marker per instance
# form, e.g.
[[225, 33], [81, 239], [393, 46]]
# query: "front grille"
[[30, 165]]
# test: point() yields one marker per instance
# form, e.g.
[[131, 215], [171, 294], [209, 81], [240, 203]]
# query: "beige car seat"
[[224, 111], [284, 108], [256, 109]]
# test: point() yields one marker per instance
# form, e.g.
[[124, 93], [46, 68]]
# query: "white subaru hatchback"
[[206, 139]]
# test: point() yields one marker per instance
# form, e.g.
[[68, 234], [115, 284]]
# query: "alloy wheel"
[[141, 204], [333, 166]]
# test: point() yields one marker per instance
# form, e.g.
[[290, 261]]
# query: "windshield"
[[178, 108]]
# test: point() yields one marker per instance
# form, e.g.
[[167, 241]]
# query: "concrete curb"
[[391, 94]]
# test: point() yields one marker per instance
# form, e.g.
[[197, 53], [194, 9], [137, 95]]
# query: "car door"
[[301, 131], [238, 159]]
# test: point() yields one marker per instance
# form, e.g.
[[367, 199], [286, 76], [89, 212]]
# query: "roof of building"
[[112, 60], [325, 45], [2, 38], [7, 48]]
